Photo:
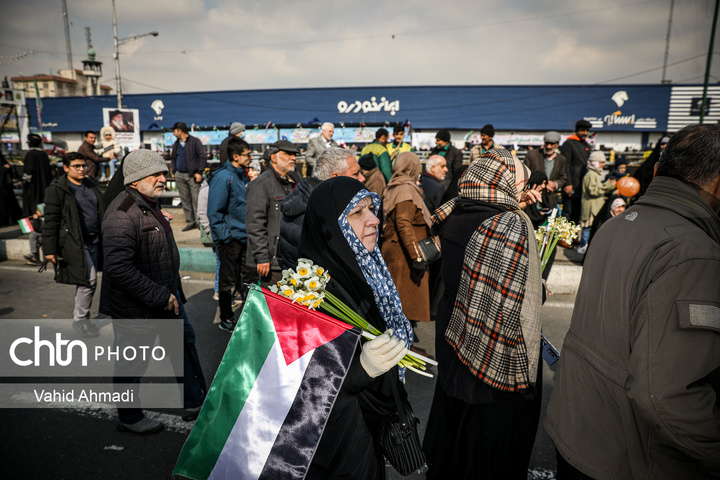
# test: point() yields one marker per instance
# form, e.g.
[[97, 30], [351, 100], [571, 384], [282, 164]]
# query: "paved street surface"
[[83, 443]]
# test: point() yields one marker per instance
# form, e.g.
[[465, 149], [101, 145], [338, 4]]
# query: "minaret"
[[91, 69]]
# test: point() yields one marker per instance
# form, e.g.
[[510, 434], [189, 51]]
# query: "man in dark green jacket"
[[636, 388], [74, 209]]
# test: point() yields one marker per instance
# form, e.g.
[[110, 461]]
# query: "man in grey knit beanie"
[[142, 163], [141, 280]]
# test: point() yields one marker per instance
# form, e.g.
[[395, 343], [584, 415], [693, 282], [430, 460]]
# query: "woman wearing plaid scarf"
[[486, 407]]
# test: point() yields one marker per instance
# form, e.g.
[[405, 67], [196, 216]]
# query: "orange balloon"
[[628, 186]]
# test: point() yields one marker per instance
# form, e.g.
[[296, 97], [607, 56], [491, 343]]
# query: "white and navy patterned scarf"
[[377, 275]]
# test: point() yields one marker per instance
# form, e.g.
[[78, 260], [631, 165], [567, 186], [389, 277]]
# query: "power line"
[[6, 59], [652, 69], [393, 36]]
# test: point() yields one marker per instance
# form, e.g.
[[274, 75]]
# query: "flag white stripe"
[[263, 414]]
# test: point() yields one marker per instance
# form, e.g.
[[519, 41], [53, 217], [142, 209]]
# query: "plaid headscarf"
[[495, 324]]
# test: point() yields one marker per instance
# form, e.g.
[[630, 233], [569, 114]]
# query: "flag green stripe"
[[233, 381]]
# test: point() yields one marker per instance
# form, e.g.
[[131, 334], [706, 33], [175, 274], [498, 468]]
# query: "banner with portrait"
[[125, 123]]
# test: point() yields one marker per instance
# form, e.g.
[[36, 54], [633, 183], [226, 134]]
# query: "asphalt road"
[[75, 443]]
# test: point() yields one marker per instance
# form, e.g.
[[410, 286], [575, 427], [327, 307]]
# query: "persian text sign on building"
[[369, 106], [620, 117]]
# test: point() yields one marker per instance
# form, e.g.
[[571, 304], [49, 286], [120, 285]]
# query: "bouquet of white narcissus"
[[306, 285], [555, 230]]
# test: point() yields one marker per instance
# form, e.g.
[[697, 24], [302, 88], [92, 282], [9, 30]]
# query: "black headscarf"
[[323, 242]]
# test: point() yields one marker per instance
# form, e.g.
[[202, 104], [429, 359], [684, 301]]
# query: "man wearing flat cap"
[[264, 197], [487, 133], [187, 162], [237, 129], [550, 161], [141, 279]]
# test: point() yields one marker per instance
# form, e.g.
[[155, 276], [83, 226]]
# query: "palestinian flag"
[[25, 225], [262, 418]]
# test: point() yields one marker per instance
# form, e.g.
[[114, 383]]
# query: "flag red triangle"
[[300, 329]]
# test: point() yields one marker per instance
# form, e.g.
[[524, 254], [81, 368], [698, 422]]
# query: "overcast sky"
[[235, 45]]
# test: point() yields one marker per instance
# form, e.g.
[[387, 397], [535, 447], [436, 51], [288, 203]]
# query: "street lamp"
[[119, 42]]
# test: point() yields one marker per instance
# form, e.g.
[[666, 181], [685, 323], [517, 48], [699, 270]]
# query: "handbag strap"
[[404, 422]]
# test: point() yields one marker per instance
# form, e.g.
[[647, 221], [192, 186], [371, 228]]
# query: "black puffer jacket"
[[141, 261], [293, 209], [62, 232]]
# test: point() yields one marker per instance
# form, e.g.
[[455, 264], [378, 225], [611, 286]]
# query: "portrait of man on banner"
[[125, 124], [121, 121]]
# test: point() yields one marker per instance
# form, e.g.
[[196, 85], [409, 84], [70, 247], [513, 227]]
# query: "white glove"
[[382, 353]]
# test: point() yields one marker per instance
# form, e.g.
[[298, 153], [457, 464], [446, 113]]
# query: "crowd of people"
[[632, 399]]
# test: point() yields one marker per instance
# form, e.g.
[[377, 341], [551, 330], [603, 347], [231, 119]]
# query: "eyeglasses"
[[79, 167]]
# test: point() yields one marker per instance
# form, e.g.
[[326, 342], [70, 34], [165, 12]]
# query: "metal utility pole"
[[117, 59], [704, 105], [68, 46], [667, 43], [119, 42]]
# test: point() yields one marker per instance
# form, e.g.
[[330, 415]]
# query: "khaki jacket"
[[594, 194]]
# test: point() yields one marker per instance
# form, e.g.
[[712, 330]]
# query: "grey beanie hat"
[[142, 163], [552, 137], [236, 127]]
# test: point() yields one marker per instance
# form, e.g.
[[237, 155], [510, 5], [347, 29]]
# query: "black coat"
[[433, 190], [62, 233], [36, 178], [454, 159], [141, 261], [116, 185], [293, 209], [195, 156], [223, 150], [349, 445], [9, 209], [576, 153], [265, 194]]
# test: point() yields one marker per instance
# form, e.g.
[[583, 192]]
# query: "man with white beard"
[[141, 280]]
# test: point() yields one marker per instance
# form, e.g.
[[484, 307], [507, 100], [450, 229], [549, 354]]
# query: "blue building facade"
[[610, 108]]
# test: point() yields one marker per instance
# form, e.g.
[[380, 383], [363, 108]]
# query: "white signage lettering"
[[369, 106]]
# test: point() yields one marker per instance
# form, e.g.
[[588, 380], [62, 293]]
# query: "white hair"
[[432, 162], [332, 160], [327, 125]]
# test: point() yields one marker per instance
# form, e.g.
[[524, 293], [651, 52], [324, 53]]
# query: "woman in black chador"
[[340, 233]]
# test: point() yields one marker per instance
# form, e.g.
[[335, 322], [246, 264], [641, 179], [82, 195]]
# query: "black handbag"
[[399, 438], [430, 248]]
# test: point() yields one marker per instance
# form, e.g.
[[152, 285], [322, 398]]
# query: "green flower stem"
[[337, 313], [409, 360], [361, 322]]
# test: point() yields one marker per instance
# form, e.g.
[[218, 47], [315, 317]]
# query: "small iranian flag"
[[25, 225], [261, 418]]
